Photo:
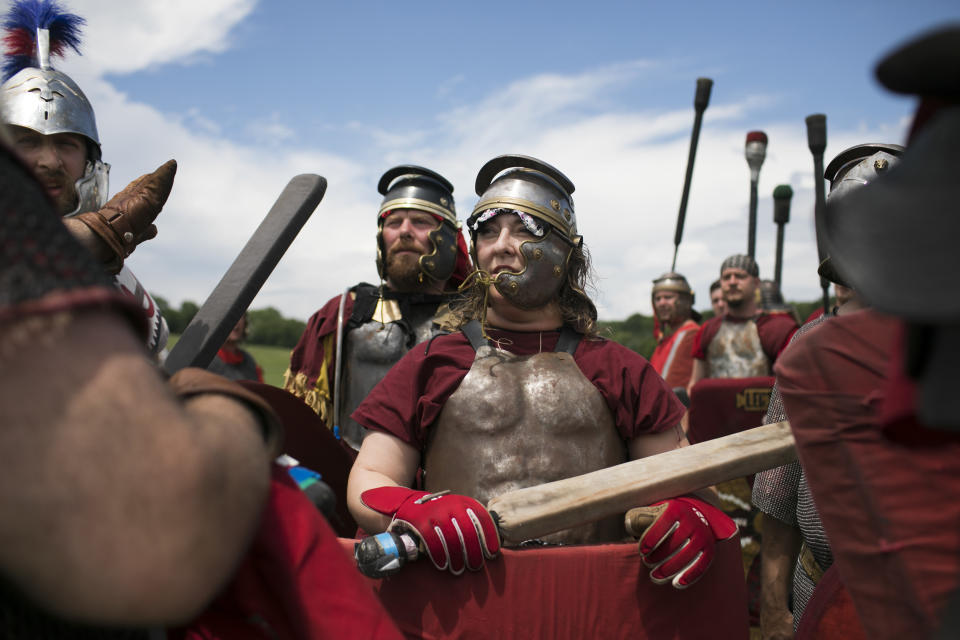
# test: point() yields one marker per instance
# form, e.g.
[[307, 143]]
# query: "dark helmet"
[[411, 187]]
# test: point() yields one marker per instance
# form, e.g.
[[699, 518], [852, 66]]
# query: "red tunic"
[[890, 507], [409, 399], [681, 364], [775, 330]]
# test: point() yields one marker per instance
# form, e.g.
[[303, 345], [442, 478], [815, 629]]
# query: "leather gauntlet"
[[127, 219], [193, 381]]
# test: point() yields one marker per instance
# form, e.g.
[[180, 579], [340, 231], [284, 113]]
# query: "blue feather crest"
[[20, 32]]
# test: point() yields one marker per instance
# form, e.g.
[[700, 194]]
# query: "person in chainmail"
[[794, 542]]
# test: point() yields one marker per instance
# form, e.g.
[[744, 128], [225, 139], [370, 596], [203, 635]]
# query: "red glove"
[[679, 545], [456, 530]]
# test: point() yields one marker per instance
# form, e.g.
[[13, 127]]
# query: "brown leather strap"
[[102, 228], [192, 381]]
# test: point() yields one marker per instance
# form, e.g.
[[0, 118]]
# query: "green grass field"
[[273, 360]]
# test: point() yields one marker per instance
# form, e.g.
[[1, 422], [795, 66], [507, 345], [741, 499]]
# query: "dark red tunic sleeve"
[[307, 356], [890, 509], [775, 330], [704, 336]]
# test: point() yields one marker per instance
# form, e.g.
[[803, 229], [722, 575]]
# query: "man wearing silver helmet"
[[525, 393], [354, 339], [794, 542], [54, 133], [676, 325], [746, 340]]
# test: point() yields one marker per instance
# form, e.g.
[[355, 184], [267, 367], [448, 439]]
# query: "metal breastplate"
[[736, 352], [520, 421], [368, 353]]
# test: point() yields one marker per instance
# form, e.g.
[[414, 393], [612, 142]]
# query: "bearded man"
[[676, 325], [354, 339], [746, 340], [525, 393]]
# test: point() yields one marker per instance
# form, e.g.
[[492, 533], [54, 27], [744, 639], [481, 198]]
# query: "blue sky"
[[245, 94]]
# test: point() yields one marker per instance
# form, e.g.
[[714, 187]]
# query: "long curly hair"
[[576, 307]]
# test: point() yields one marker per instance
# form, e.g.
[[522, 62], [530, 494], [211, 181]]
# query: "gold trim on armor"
[[422, 205], [387, 311], [531, 208]]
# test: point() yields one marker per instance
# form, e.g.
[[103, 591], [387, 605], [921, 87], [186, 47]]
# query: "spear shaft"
[[700, 101], [817, 141]]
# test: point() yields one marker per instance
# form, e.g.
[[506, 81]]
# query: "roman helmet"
[[411, 187], [672, 281], [853, 169], [527, 186], [36, 96]]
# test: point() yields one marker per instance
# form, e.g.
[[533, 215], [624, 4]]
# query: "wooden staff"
[[755, 152], [781, 216], [533, 512], [700, 101], [817, 141]]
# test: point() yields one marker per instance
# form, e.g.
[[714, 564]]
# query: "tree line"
[[269, 327], [265, 326]]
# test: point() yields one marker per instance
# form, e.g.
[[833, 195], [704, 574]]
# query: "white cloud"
[[628, 164], [122, 37]]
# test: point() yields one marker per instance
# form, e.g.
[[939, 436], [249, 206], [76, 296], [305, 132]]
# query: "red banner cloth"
[[600, 591], [723, 406]]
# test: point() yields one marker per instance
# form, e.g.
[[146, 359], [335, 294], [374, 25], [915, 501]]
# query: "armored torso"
[[373, 347], [736, 352], [519, 421]]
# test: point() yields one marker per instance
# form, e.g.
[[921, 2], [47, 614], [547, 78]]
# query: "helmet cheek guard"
[[92, 188], [439, 264], [543, 273]]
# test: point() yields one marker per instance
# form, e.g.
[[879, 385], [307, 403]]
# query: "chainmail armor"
[[783, 493]]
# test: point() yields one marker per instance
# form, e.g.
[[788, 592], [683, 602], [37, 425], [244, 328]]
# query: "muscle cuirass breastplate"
[[368, 353], [519, 421], [736, 352]]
